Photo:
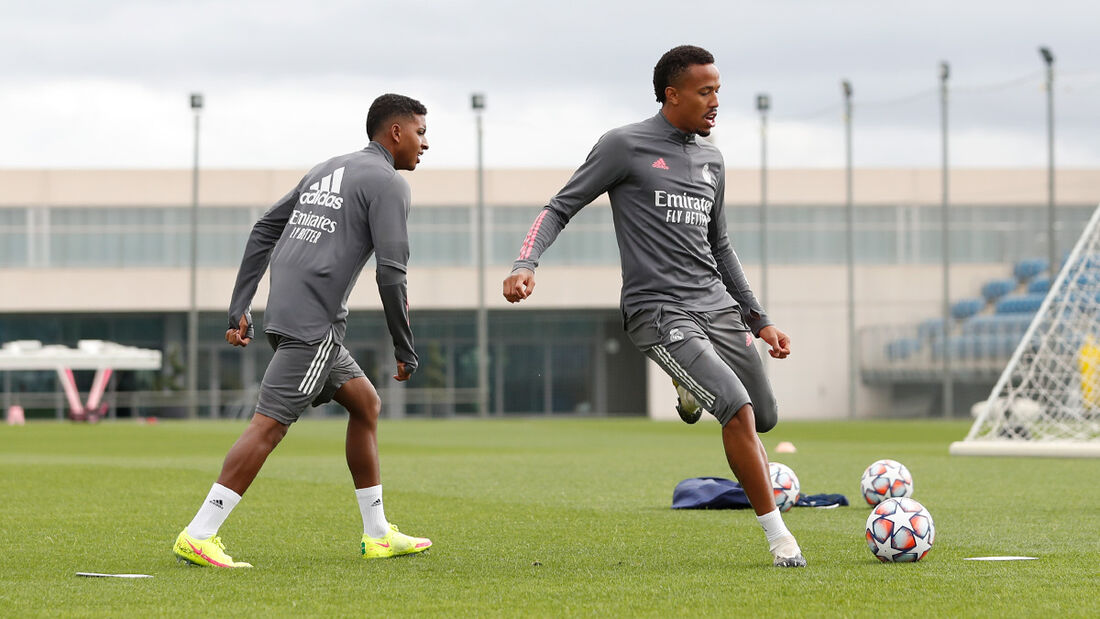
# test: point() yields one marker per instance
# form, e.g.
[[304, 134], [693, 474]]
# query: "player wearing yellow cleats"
[[204, 552], [393, 544]]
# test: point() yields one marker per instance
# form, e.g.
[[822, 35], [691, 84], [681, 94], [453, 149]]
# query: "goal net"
[[1047, 400]]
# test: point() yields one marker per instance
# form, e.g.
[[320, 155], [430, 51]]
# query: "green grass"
[[530, 517]]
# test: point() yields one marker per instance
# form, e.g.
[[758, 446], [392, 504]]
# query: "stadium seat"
[[966, 308], [1027, 269], [977, 346], [997, 288], [902, 348], [1019, 304], [1039, 285], [998, 324], [930, 328], [1091, 261]]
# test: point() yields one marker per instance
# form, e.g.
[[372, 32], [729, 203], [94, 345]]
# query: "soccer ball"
[[784, 485], [885, 479], [900, 530]]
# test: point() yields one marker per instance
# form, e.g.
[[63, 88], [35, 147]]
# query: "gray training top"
[[667, 193], [318, 237]]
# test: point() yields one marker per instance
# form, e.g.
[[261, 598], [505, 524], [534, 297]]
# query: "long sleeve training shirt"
[[317, 239], [667, 193]]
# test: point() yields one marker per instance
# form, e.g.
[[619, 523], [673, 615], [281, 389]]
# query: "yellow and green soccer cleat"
[[204, 552], [393, 544]]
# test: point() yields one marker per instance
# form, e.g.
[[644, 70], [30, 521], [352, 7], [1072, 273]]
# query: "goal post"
[[1047, 400]]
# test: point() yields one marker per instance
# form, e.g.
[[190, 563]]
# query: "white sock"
[[374, 516], [777, 532], [215, 509]]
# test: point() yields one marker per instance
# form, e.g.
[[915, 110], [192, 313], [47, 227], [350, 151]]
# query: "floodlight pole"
[[477, 102], [846, 87], [763, 103], [1048, 58], [948, 385], [193, 312]]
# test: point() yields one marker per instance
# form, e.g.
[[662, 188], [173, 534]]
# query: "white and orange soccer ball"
[[785, 485], [885, 479], [900, 530]]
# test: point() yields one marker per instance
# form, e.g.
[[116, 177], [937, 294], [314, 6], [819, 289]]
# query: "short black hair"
[[389, 105], [673, 63]]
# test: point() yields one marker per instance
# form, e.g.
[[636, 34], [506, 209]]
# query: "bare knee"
[[367, 411], [360, 399]]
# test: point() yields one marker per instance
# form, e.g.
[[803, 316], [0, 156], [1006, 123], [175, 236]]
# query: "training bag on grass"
[[721, 493]]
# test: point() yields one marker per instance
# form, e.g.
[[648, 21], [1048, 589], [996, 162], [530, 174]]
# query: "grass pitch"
[[530, 517]]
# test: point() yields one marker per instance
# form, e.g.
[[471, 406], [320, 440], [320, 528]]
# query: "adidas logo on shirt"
[[660, 164], [326, 192]]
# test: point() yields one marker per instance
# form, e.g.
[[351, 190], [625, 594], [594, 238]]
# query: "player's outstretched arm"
[[606, 165], [519, 285], [780, 343]]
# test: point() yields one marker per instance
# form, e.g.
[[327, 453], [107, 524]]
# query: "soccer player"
[[685, 300], [317, 239]]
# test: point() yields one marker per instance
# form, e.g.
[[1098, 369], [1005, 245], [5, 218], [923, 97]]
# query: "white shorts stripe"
[[319, 360], [323, 353], [321, 365], [706, 397]]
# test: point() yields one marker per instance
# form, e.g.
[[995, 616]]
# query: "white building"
[[104, 254]]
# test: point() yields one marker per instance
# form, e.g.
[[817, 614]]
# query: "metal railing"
[[239, 404], [913, 353]]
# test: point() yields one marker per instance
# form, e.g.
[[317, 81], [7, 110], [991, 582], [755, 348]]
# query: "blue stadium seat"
[[1085, 280], [966, 308], [998, 324], [1027, 269], [997, 288], [1039, 285], [902, 348], [930, 328], [1081, 300], [1019, 304], [1088, 278], [977, 346], [1090, 262]]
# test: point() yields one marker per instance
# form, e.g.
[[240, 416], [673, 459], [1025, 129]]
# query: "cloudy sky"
[[288, 83]]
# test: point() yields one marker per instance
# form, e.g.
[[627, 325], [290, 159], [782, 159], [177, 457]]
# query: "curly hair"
[[388, 106], [675, 62]]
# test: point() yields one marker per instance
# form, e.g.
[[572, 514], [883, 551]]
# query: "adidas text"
[[321, 198], [325, 192]]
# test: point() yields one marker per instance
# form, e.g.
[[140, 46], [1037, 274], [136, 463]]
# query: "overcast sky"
[[288, 83]]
